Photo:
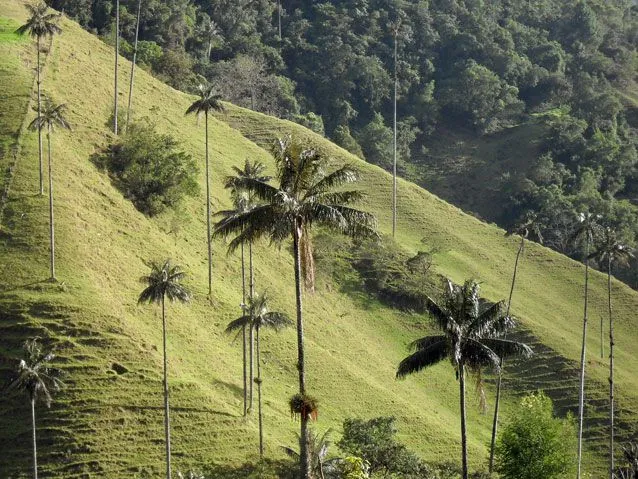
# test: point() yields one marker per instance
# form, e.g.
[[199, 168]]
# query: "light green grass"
[[110, 426]]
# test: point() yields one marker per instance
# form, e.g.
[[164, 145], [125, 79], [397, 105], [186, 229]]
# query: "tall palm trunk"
[[130, 86], [394, 163], [463, 427], [303, 437], [279, 17], [581, 397], [251, 331], [208, 234], [243, 329], [51, 223], [260, 413], [602, 349], [117, 53], [611, 373], [39, 115], [35, 447], [500, 376], [167, 427]]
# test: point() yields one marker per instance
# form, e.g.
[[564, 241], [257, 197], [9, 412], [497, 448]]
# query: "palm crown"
[[51, 115], [530, 227], [208, 101], [242, 198], [258, 315], [611, 249], [471, 334], [40, 23], [305, 195], [163, 281], [35, 375]]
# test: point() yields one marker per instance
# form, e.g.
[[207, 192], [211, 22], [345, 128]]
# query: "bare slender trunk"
[[35, 447], [51, 222], [117, 53], [394, 163], [500, 376], [130, 86], [581, 397], [279, 17], [243, 329], [208, 234], [463, 427], [303, 437], [611, 373], [260, 413], [39, 115], [251, 340], [167, 427], [602, 349]]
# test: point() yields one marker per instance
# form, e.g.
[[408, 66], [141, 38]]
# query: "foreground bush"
[[536, 444]]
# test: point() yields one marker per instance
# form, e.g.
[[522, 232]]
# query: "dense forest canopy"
[[472, 65]]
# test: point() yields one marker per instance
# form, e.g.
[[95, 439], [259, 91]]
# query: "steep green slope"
[[106, 424]]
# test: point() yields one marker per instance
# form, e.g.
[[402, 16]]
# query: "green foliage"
[[149, 168], [375, 443], [353, 468], [312, 121], [345, 140], [536, 444], [376, 140]]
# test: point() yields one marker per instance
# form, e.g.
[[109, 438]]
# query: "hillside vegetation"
[[107, 422]]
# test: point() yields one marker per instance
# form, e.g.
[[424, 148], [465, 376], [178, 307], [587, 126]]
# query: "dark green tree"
[[471, 340], [37, 379], [41, 24], [585, 232], [50, 116], [257, 317], [304, 196], [611, 250], [164, 281], [207, 102], [529, 228]]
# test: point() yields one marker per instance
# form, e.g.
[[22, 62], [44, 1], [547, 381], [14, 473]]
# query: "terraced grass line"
[[108, 424]]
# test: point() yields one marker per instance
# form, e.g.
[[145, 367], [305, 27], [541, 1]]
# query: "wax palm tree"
[[585, 232], [132, 77], [256, 317], [164, 281], [471, 340], [207, 102], [610, 251], [51, 116], [243, 200], [37, 379], [318, 446], [304, 196], [40, 24], [529, 228]]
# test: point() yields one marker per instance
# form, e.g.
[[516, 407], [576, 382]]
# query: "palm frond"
[[477, 355], [507, 348], [239, 323], [423, 358]]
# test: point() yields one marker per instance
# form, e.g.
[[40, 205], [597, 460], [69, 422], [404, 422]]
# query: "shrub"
[[374, 441], [149, 169], [536, 444]]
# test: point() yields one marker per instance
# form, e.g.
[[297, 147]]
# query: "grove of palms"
[[41, 24], [304, 196]]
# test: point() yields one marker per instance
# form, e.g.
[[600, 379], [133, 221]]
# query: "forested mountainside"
[[473, 78]]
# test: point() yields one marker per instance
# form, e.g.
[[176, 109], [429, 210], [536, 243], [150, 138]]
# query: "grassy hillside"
[[107, 424]]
